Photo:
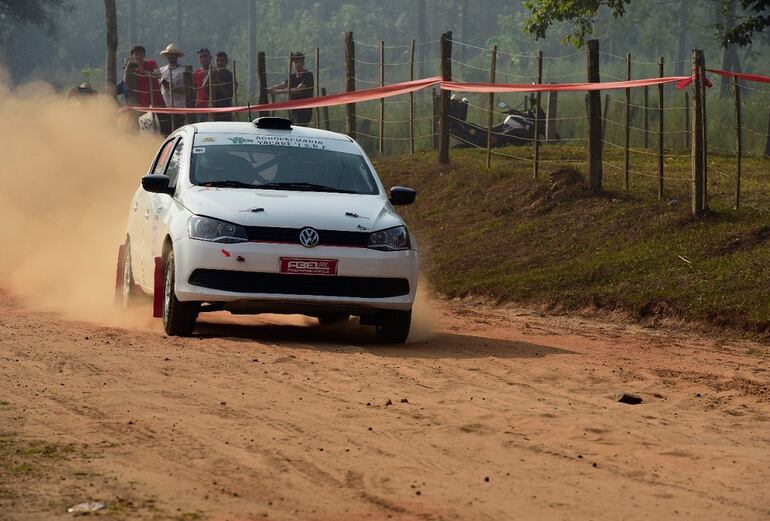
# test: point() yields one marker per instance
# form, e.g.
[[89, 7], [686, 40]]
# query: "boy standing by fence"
[[300, 87]]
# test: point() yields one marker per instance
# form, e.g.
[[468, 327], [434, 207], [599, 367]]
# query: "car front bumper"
[[247, 276]]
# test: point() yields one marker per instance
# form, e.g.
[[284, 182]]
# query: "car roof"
[[242, 127]]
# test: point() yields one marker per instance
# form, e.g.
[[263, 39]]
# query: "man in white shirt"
[[172, 81]]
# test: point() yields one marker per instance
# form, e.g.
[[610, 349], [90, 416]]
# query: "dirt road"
[[498, 414]]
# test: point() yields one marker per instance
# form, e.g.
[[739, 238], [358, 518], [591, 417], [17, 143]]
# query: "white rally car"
[[268, 217]]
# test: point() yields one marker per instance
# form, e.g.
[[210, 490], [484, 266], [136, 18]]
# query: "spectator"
[[144, 74], [301, 87], [172, 82], [202, 79], [224, 87]]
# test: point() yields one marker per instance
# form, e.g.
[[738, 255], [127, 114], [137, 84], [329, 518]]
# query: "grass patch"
[[501, 234]]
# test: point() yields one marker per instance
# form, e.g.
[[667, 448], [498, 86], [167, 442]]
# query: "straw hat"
[[171, 49]]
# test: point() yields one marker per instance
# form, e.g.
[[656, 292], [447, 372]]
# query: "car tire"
[[178, 317], [129, 290], [393, 326], [333, 318]]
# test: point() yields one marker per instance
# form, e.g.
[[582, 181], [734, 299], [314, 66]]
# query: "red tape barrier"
[[398, 89]]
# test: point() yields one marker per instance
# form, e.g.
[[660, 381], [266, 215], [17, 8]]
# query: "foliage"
[[41, 13], [757, 22], [582, 13]]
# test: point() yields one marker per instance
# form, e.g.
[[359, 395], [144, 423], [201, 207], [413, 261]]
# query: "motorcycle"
[[517, 129]]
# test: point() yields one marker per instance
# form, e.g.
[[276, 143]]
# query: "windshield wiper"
[[310, 187], [228, 184]]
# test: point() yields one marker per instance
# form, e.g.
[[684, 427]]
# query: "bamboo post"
[[446, 75], [687, 134], [317, 85], [594, 106], [538, 99], [627, 128], [262, 76], [605, 115], [550, 116], [235, 83], [767, 137], [411, 99], [697, 134], [350, 85], [189, 93], [381, 144], [738, 141], [325, 111], [490, 112], [661, 135], [646, 116]]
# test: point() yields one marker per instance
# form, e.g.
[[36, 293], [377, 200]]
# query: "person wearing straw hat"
[[172, 77]]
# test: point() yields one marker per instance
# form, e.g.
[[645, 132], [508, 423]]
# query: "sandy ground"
[[497, 414]]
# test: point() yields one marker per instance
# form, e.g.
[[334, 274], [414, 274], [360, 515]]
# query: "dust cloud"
[[67, 175]]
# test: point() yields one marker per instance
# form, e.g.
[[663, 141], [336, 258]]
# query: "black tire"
[[393, 326], [178, 317], [333, 318], [129, 291]]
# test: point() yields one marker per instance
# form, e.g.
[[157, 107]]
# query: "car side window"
[[163, 156], [174, 163]]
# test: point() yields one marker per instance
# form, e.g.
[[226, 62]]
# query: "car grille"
[[316, 285], [291, 236]]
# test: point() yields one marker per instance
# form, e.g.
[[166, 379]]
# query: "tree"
[[37, 12], [111, 66], [582, 14]]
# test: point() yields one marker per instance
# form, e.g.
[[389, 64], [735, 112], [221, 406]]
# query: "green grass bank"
[[501, 234]]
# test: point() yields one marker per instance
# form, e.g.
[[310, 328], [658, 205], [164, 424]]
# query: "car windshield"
[[280, 167]]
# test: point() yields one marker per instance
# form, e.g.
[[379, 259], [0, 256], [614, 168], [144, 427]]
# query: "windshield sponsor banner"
[[300, 266], [206, 140]]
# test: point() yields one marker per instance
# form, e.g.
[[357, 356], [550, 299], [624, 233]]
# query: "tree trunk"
[[111, 66], [421, 38], [682, 54], [730, 59], [251, 70], [464, 31], [178, 36], [132, 33]]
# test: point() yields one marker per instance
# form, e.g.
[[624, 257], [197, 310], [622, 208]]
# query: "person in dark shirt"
[[301, 87], [223, 86]]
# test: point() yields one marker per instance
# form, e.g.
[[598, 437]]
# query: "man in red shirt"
[[145, 79], [202, 78]]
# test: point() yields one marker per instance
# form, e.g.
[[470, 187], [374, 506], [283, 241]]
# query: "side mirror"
[[157, 184], [400, 196]]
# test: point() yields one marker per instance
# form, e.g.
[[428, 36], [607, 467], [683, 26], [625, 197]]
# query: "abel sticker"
[[199, 150]]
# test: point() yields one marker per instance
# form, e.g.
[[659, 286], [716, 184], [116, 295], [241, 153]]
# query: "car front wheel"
[[393, 326], [178, 317]]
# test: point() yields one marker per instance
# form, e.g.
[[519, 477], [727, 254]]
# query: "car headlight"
[[213, 230], [392, 239]]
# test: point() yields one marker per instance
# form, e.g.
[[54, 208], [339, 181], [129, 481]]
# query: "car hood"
[[292, 209]]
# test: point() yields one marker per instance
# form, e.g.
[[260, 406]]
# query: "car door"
[[145, 214]]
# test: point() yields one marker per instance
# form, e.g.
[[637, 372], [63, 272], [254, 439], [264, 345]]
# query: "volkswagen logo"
[[308, 237]]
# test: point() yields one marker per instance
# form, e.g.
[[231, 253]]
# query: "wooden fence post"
[[490, 112], [325, 111], [189, 94], [661, 135], [435, 99], [235, 86], [697, 134], [538, 99], [262, 75], [350, 84], [646, 116], [381, 145], [131, 83], [738, 141], [550, 116], [317, 85], [687, 133], [627, 128], [767, 137], [446, 75], [288, 83], [594, 120], [705, 130], [411, 99], [605, 115]]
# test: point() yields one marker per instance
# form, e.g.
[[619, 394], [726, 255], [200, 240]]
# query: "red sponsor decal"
[[297, 266]]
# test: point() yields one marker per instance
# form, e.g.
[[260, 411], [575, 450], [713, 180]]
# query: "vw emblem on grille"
[[308, 237]]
